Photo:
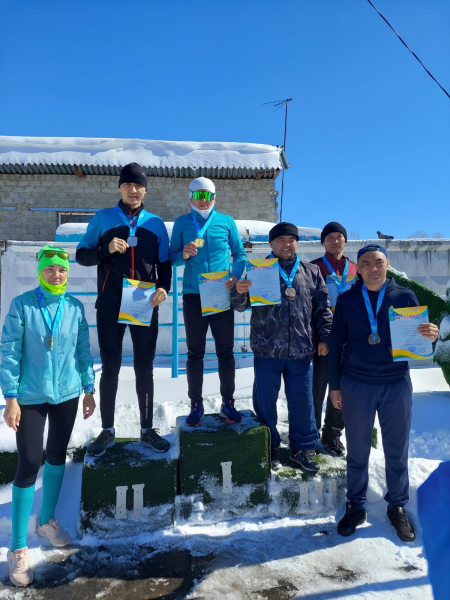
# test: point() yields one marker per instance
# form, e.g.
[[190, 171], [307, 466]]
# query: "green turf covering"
[[8, 466], [204, 448], [323, 490], [125, 464]]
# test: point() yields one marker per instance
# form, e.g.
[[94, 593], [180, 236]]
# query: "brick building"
[[45, 182]]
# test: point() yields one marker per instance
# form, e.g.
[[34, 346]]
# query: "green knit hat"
[[45, 261]]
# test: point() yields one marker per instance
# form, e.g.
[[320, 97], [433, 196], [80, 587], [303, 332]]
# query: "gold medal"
[[199, 242]]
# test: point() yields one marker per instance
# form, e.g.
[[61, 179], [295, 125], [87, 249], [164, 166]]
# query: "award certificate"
[[333, 290], [135, 308], [214, 296], [407, 343], [265, 278]]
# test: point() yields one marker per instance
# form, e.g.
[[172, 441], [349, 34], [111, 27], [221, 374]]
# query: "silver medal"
[[132, 241]]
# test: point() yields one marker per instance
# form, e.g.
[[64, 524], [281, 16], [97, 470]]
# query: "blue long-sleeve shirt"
[[221, 237]]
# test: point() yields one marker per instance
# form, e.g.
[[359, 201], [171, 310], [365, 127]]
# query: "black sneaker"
[[400, 520], [305, 458], [353, 517], [275, 459], [151, 439], [332, 444], [105, 440]]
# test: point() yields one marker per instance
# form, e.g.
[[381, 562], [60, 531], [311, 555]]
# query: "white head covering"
[[201, 183]]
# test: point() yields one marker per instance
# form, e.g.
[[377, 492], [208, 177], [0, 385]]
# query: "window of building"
[[78, 216]]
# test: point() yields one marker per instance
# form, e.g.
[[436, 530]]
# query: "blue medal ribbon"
[[341, 284], [202, 230], [46, 314], [133, 225], [289, 280], [373, 317]]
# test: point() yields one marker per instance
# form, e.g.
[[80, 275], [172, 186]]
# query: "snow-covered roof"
[[106, 156]]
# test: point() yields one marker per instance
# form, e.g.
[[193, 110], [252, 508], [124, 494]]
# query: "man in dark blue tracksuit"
[[364, 380]]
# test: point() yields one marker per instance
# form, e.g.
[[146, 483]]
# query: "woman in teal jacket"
[[45, 365]]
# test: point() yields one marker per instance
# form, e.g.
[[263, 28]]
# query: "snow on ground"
[[302, 557]]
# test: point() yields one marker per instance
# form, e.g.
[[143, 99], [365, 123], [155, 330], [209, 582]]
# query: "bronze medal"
[[290, 292], [374, 339], [199, 242]]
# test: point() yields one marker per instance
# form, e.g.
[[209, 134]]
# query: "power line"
[[406, 46]]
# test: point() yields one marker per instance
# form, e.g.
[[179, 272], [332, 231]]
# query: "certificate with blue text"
[[264, 275], [135, 308], [214, 296], [407, 343]]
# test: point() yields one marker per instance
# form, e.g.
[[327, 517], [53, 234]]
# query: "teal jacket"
[[30, 370], [220, 237]]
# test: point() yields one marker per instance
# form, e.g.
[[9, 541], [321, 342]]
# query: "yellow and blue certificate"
[[214, 296], [135, 308], [265, 278], [407, 343]]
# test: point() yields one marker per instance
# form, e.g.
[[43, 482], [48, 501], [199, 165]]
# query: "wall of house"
[[166, 197]]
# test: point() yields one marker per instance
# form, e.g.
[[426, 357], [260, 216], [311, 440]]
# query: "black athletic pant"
[[334, 419], [110, 338], [222, 329], [30, 437]]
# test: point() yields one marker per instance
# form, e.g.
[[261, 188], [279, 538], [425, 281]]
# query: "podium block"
[[129, 485], [224, 468], [294, 492]]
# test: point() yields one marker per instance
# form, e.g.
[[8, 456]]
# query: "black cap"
[[283, 229], [333, 227], [133, 173]]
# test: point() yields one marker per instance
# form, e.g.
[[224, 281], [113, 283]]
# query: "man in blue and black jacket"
[[126, 242], [365, 380], [201, 242]]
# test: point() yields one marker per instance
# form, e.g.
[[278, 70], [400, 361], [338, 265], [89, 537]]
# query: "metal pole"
[[175, 348], [284, 148]]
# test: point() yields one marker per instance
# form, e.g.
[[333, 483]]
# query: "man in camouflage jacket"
[[282, 338]]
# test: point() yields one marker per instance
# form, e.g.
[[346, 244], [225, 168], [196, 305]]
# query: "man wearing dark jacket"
[[339, 274], [364, 380], [282, 338], [126, 242]]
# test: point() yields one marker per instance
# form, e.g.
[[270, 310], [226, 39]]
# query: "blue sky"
[[368, 132]]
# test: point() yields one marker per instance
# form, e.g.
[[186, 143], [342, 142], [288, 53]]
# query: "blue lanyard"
[[142, 216], [201, 231], [372, 317], [289, 280], [46, 313], [341, 284]]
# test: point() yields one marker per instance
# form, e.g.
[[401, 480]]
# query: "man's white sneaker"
[[20, 573], [54, 533]]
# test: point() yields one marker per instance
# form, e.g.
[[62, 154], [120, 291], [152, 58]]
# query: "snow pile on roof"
[[117, 152], [258, 231]]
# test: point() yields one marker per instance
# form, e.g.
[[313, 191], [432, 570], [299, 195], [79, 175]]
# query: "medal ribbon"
[[46, 313], [289, 280], [201, 231], [341, 284], [139, 221], [372, 317]]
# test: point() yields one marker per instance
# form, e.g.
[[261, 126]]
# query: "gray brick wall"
[[166, 197]]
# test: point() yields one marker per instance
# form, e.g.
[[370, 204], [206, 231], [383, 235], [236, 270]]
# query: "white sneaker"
[[20, 573], [54, 533]]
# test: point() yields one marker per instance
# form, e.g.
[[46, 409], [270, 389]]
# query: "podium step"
[[130, 488], [224, 468]]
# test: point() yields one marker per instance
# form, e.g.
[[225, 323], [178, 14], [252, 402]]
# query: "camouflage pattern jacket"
[[288, 330]]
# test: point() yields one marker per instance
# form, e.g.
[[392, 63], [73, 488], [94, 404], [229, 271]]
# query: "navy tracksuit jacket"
[[372, 382]]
